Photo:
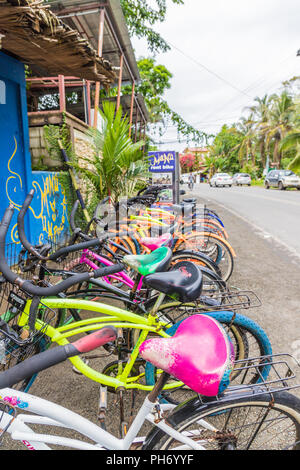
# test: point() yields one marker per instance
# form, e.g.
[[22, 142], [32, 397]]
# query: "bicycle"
[[264, 416], [118, 317]]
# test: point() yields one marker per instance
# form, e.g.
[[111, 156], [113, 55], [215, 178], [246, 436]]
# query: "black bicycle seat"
[[184, 282]]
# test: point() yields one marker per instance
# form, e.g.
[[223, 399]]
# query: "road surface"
[[273, 213]]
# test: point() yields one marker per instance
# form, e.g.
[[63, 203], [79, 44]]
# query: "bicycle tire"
[[219, 250], [269, 413], [201, 257]]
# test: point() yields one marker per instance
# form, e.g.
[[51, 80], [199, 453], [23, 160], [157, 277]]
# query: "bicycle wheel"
[[196, 257], [257, 422], [212, 246]]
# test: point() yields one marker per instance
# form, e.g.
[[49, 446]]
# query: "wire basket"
[[228, 300], [19, 341], [263, 375], [7, 415]]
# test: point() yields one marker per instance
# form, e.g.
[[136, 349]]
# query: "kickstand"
[[123, 423], [102, 406]]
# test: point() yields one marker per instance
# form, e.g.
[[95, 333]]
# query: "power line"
[[252, 86], [199, 64]]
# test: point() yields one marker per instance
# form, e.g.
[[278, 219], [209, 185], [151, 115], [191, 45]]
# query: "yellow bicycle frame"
[[114, 316]]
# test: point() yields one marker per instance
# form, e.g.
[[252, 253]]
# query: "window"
[[2, 92], [286, 173]]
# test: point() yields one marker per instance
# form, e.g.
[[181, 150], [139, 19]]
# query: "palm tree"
[[247, 145], [292, 142], [118, 163], [281, 121], [260, 112]]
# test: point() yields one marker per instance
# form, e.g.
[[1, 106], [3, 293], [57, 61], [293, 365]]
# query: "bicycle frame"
[[49, 414], [114, 316], [121, 276]]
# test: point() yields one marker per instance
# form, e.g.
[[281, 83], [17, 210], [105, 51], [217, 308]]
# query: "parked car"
[[221, 179], [282, 179], [241, 178]]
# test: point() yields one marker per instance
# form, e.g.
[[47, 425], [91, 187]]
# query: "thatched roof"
[[30, 31]]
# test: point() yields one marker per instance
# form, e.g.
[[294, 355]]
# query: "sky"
[[223, 54]]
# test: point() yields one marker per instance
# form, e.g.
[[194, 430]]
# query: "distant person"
[[191, 181]]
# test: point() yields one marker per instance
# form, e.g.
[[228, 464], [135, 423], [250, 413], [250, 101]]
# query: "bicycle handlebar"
[[34, 290], [21, 227], [51, 357]]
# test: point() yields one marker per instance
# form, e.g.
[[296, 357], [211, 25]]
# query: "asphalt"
[[261, 265], [274, 213]]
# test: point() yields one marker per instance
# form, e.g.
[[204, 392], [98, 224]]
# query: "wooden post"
[[88, 95], [100, 49], [131, 108], [136, 121], [62, 95], [120, 81]]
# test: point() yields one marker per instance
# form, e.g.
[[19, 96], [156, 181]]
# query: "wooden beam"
[[131, 108], [100, 50], [120, 81], [62, 95]]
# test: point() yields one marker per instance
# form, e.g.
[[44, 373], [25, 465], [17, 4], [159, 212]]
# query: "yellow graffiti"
[[48, 212], [14, 234], [13, 177], [164, 158]]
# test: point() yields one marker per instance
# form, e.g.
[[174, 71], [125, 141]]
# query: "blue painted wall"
[[47, 218]]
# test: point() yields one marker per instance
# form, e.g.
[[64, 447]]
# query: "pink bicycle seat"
[[154, 243], [199, 354]]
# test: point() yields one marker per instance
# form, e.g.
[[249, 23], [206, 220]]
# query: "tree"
[[224, 150], [291, 142], [155, 80], [247, 144], [141, 15], [281, 121], [260, 113]]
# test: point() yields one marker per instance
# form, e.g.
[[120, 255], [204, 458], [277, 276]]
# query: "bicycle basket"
[[18, 342]]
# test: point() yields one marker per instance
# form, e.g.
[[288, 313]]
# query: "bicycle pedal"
[[85, 360]]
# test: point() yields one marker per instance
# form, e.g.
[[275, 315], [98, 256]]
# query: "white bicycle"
[[244, 417]]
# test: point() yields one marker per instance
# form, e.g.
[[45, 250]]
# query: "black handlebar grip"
[[21, 215], [21, 227], [72, 216], [6, 219]]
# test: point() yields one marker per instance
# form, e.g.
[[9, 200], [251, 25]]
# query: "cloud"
[[251, 44]]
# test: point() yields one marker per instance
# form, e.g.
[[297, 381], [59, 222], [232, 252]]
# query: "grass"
[[259, 182]]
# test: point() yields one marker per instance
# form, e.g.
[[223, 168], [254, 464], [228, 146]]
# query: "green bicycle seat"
[[157, 261]]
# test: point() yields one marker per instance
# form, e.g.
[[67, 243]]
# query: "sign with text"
[[163, 167], [162, 162]]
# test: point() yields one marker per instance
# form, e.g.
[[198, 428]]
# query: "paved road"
[[274, 213]]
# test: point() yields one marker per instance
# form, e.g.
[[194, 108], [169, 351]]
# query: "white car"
[[241, 178], [221, 179]]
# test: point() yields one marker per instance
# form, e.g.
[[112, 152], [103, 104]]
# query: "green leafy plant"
[[142, 15], [117, 163]]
